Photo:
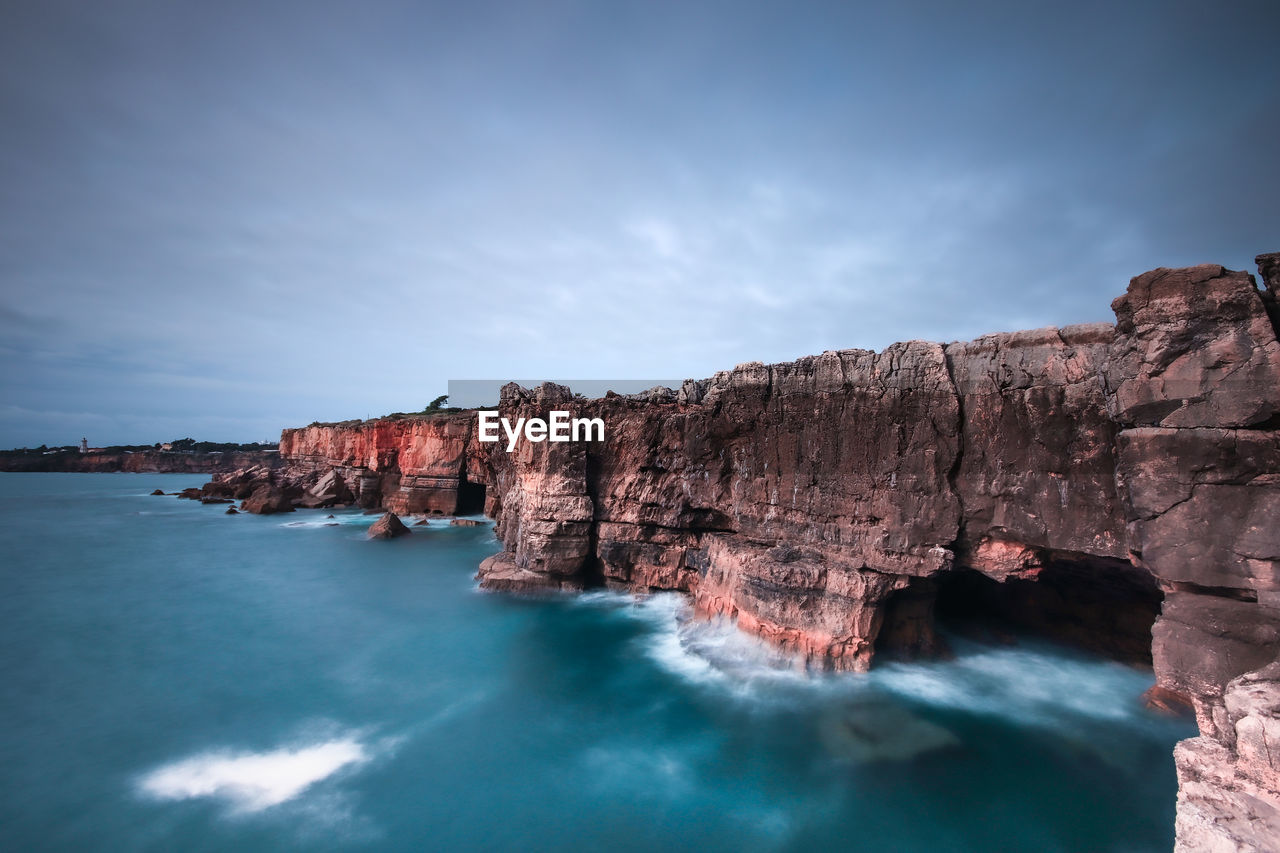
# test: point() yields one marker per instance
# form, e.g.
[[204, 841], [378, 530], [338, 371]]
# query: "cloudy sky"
[[220, 219]]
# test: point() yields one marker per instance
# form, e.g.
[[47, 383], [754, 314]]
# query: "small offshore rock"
[[388, 527], [158, 492], [232, 511]]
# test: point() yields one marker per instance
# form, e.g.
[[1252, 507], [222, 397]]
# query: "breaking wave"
[[253, 781]]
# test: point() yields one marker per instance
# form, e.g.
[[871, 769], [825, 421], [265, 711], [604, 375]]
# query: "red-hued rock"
[[817, 605], [1168, 702], [407, 465], [388, 527]]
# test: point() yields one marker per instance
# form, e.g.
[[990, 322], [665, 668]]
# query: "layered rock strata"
[[408, 465]]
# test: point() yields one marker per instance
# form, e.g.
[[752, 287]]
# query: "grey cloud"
[[237, 217]]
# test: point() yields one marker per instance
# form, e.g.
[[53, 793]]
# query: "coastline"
[[143, 462]]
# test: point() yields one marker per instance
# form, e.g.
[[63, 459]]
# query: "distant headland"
[[185, 455]]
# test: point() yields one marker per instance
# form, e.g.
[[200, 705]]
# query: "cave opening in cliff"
[[1102, 605], [470, 496]]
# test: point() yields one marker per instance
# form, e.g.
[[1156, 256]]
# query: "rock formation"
[[1115, 486], [409, 465], [266, 500], [389, 526]]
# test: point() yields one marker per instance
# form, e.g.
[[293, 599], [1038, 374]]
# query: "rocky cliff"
[[406, 465], [1116, 486]]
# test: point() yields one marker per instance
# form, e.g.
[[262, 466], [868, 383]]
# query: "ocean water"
[[178, 679]]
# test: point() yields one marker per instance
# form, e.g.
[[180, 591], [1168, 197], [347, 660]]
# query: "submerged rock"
[[878, 730], [388, 527], [466, 522]]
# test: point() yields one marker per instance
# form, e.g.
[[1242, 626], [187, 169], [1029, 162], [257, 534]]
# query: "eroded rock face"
[[817, 604], [884, 467], [847, 454], [1038, 465], [409, 465]]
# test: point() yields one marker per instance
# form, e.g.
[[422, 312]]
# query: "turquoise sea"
[[176, 679]]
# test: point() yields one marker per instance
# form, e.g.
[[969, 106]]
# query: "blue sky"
[[220, 219]]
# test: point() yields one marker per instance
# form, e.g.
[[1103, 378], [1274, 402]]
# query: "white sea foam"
[[1032, 684], [1035, 684], [705, 652], [253, 781]]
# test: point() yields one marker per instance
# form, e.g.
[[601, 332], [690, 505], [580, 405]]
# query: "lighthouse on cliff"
[[84, 445]]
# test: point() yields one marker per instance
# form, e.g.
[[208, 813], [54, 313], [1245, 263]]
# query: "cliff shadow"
[[470, 496], [1102, 605]]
